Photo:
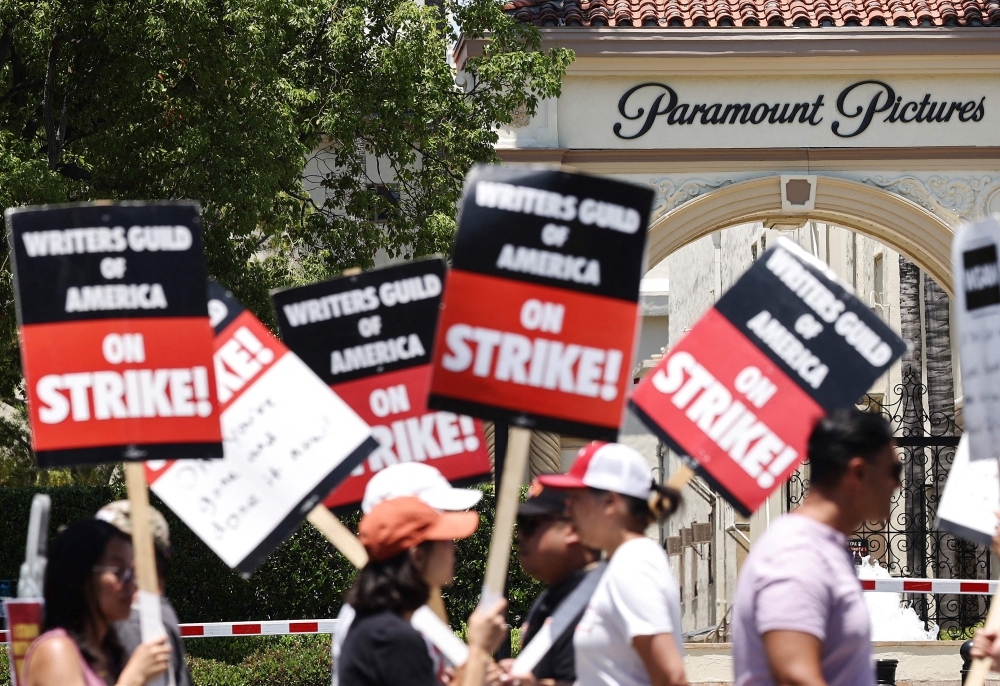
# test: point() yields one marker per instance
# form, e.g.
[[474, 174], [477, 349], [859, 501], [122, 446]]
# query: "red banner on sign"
[[108, 382], [536, 350], [394, 404], [24, 624], [731, 408]]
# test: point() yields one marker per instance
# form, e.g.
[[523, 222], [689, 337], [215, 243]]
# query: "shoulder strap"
[[561, 620]]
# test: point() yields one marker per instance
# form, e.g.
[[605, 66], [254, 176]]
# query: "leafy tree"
[[226, 101]]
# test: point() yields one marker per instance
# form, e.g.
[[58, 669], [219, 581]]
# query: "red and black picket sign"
[[742, 391], [369, 336], [541, 307], [116, 345]]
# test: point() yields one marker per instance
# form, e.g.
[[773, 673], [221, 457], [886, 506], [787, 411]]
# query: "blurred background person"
[[630, 633], [89, 584], [549, 550], [411, 548], [986, 642], [119, 515], [419, 480], [799, 615]]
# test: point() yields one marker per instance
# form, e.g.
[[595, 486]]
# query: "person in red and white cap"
[[630, 633], [411, 547]]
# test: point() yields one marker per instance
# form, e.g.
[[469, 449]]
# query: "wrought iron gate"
[[909, 545]]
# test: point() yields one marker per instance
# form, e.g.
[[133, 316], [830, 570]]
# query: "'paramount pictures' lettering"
[[856, 107]]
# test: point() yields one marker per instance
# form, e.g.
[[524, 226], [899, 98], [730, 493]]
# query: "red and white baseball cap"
[[608, 467]]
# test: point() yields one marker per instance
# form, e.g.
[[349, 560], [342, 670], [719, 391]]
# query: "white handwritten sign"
[[971, 498], [288, 441], [977, 297]]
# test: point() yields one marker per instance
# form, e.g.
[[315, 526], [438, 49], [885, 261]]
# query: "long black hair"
[[393, 584], [71, 588]]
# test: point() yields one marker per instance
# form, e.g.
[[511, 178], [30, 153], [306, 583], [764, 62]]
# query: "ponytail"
[[662, 502]]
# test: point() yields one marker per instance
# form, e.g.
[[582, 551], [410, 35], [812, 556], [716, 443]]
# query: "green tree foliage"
[[227, 101]]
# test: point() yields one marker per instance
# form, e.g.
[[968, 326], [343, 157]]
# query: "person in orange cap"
[[411, 547]]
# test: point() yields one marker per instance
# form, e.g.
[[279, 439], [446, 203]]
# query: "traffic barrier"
[[327, 626], [933, 586]]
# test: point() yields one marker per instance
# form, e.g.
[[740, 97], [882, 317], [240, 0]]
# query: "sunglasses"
[[124, 575]]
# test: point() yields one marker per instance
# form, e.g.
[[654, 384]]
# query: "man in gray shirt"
[[799, 616]]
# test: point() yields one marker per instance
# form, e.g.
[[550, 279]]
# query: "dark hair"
[[393, 584], [663, 501], [71, 590], [839, 437]]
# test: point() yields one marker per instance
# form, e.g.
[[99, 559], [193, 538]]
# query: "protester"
[[799, 612], [549, 549], [119, 515], [397, 481], [986, 642], [411, 548], [89, 583], [630, 633]]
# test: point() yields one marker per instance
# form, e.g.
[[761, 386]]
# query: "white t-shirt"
[[637, 596]]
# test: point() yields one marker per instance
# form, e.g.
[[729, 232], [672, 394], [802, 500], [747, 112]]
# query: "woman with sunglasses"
[[411, 547], [630, 633], [89, 584]]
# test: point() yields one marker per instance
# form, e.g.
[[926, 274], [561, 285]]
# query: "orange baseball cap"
[[398, 524]]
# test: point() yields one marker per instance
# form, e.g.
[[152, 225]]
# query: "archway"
[[889, 218]]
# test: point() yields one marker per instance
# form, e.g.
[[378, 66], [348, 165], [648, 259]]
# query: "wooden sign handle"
[[344, 540], [508, 498], [681, 478], [142, 535], [981, 665], [339, 535]]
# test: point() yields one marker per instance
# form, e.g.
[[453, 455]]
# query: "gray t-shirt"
[[130, 636], [799, 576]]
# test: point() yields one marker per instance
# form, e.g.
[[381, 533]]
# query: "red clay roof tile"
[[788, 13]]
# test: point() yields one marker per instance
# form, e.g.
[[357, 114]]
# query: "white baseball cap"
[[420, 480], [608, 467]]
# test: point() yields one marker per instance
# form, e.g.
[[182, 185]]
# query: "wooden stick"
[[508, 498], [981, 665], [339, 535], [681, 478], [142, 535], [344, 540]]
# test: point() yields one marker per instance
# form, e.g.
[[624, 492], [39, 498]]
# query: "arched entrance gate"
[[892, 133]]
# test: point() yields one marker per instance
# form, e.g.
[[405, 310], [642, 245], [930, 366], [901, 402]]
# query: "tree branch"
[[48, 115]]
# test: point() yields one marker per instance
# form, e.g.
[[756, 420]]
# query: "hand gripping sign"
[[369, 336], [116, 346], [742, 391], [541, 308], [289, 440]]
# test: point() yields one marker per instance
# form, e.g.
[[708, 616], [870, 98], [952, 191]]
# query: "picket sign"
[[116, 346], [288, 439], [369, 336], [976, 272], [539, 317], [741, 392]]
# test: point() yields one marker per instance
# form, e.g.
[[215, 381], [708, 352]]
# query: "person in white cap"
[[630, 633], [399, 481]]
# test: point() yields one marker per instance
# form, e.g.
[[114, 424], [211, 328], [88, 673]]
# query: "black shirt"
[[559, 663], [382, 649]]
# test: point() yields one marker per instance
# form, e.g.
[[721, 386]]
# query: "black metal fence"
[[909, 544]]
